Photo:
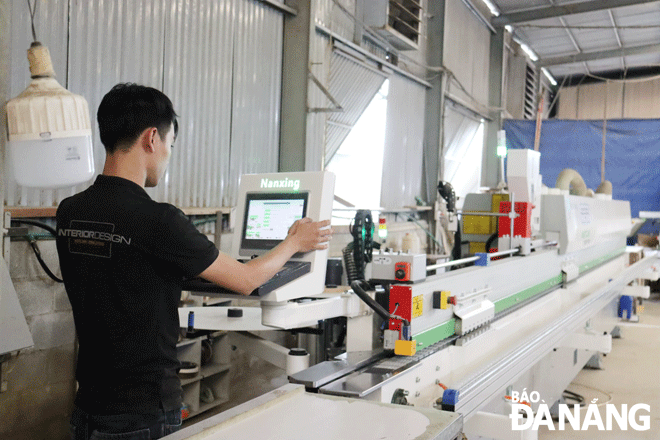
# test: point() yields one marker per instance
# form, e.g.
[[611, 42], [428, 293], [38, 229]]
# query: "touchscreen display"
[[268, 218]]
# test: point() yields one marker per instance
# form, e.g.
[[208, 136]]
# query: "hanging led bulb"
[[50, 136]]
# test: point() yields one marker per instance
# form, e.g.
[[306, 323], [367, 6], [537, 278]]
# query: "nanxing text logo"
[[284, 183], [579, 418]]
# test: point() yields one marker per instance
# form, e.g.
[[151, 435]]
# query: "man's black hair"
[[129, 109]]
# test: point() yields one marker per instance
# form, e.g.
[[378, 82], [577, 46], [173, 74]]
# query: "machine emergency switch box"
[[405, 348], [440, 299], [398, 267]]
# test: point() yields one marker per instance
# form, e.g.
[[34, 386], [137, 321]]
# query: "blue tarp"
[[632, 154]]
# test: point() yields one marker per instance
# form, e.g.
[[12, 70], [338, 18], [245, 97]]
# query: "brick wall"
[[40, 380]]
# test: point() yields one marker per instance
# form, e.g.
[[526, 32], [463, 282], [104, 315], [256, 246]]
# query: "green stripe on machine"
[[598, 261], [517, 298], [443, 331], [436, 334]]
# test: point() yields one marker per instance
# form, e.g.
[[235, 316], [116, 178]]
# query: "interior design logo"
[[523, 417]]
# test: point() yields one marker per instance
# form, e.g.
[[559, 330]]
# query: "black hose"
[[490, 241], [457, 251], [349, 262], [446, 191], [42, 263], [38, 224], [35, 248], [364, 296]]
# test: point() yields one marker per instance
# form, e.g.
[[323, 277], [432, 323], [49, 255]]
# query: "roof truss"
[[526, 15]]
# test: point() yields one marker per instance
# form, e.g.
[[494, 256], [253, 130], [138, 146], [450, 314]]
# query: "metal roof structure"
[[587, 37]]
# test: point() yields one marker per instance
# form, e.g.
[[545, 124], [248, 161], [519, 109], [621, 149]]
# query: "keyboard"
[[289, 272]]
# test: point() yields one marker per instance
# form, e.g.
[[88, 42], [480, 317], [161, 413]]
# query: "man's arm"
[[304, 236]]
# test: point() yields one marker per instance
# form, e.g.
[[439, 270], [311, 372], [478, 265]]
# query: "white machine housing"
[[524, 183], [523, 175], [317, 189], [577, 222]]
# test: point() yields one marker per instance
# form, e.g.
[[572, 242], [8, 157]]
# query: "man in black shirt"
[[123, 257]]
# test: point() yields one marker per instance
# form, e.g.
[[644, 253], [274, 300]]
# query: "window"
[[465, 141], [358, 164]]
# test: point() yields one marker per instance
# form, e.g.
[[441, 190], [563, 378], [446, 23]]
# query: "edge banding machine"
[[530, 316]]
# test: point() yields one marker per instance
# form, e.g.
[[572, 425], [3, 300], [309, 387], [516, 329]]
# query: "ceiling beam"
[[526, 15], [598, 55]]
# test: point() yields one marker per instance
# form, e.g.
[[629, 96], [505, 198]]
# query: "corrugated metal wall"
[[319, 58], [514, 80], [330, 16], [198, 54], [257, 91], [218, 60], [633, 99], [466, 53], [404, 142]]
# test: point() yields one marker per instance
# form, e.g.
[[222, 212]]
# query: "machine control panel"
[[398, 267]]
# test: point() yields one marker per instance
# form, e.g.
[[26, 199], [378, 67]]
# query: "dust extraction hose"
[[569, 178], [605, 187]]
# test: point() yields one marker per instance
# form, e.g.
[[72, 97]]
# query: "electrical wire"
[[360, 288], [474, 100], [36, 223], [42, 263], [33, 244], [570, 395], [33, 11], [412, 219], [609, 396]]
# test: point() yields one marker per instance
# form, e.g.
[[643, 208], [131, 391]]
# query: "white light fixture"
[[492, 8], [530, 53], [501, 144], [549, 76], [50, 135]]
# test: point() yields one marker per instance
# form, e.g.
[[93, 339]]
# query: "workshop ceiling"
[[589, 37]]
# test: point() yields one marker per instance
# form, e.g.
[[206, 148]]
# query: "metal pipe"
[[547, 243], [493, 254], [451, 263], [481, 213], [500, 253]]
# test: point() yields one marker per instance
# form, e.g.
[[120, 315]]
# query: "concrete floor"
[[630, 375]]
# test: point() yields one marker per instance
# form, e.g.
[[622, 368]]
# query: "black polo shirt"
[[123, 257]]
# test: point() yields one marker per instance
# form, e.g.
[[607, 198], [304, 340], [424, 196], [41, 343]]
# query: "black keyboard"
[[289, 272]]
